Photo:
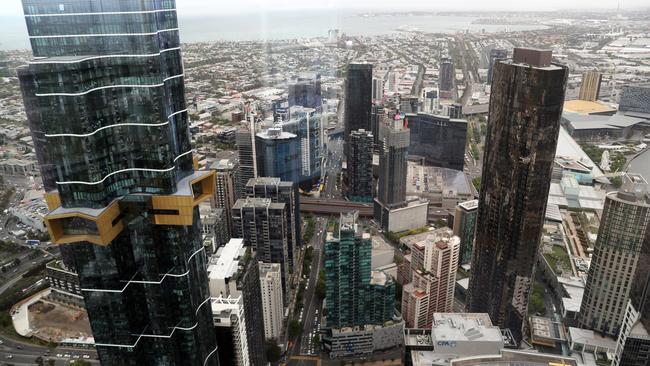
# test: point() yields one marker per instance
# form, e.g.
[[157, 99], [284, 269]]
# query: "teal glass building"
[[104, 96]]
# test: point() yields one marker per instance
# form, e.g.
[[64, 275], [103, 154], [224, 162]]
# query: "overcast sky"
[[205, 7]]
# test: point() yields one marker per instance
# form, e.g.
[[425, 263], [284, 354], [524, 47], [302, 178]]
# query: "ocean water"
[[286, 25]]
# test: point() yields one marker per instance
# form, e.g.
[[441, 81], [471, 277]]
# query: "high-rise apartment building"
[[305, 123], [358, 98], [263, 225], [439, 140], [633, 346], [525, 109], [278, 155], [271, 289], [227, 178], [621, 236], [236, 304], [356, 295], [434, 262], [590, 87], [281, 192], [347, 270], [305, 91], [359, 172], [105, 101], [495, 55], [377, 89], [247, 153], [464, 228], [377, 116]]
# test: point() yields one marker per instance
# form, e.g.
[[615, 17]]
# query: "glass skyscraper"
[[104, 96]]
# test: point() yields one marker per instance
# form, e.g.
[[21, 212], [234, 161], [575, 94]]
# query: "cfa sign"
[[451, 344]]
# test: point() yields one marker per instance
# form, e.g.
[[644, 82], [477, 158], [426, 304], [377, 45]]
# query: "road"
[[312, 304]]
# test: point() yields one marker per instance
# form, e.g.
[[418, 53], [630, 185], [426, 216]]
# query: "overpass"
[[334, 207]]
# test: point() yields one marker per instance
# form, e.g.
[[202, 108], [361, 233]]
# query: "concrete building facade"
[[622, 235], [271, 288]]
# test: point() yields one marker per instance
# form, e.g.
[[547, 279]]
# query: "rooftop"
[[584, 107], [464, 327], [224, 264]]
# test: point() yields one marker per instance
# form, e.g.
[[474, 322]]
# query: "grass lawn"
[[558, 259]]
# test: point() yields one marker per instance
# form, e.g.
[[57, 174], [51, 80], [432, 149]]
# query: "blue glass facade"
[[278, 155], [105, 101]]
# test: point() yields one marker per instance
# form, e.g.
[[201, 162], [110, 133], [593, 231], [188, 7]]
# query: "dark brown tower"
[[525, 110]]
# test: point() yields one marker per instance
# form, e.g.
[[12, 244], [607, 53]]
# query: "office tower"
[[278, 155], [358, 98], [110, 128], [236, 304], [447, 78], [525, 109], [621, 235], [280, 109], [377, 89], [64, 283], [360, 166], [305, 123], [271, 290], [376, 120], [635, 100], [305, 90], [440, 140], [495, 55], [434, 262], [281, 192], [247, 153], [227, 177], [355, 294], [590, 87], [464, 228], [391, 183], [264, 227]]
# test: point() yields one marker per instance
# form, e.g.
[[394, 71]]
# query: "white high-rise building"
[[271, 288], [434, 262]]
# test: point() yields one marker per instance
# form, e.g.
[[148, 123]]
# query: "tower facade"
[[106, 108], [525, 109], [360, 166], [393, 152], [621, 236], [358, 98], [496, 54], [590, 87], [447, 78], [464, 228]]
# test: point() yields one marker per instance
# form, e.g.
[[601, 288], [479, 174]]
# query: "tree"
[[273, 351], [80, 363], [321, 290], [477, 183], [295, 328]]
